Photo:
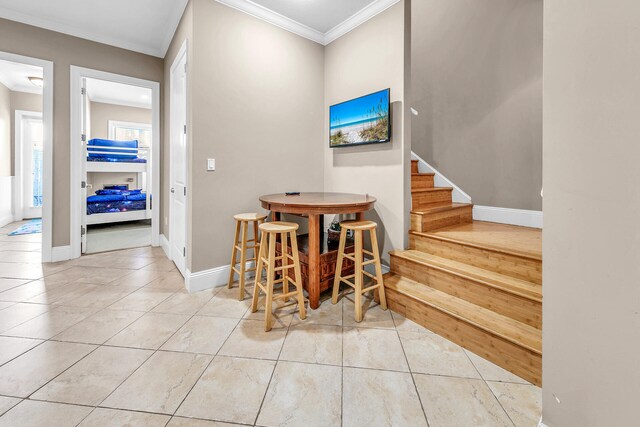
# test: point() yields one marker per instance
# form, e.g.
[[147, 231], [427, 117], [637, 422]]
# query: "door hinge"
[[185, 129], [184, 251], [83, 184], [83, 91], [83, 137], [83, 230], [185, 191], [185, 67]]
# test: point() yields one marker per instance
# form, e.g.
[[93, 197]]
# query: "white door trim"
[[18, 183], [180, 56], [47, 166], [77, 73]]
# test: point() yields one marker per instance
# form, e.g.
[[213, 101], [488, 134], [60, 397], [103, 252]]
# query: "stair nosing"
[[475, 245], [432, 189], [470, 278], [470, 321], [473, 279]]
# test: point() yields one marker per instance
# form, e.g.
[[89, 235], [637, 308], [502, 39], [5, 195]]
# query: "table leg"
[[275, 216], [359, 216], [314, 261]]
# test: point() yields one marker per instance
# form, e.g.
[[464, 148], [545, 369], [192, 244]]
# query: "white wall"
[[368, 59], [6, 200], [591, 239]]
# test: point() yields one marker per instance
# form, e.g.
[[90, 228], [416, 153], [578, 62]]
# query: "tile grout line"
[[415, 386]]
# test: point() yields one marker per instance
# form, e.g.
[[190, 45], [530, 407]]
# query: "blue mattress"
[[109, 203], [111, 151]]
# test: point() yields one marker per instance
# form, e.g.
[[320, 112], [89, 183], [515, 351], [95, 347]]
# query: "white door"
[[178, 208], [83, 168], [31, 144]]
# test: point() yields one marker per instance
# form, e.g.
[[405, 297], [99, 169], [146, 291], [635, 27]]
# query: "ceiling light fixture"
[[36, 81]]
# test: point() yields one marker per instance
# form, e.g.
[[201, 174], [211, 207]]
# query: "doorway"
[[178, 159], [115, 195], [26, 135]]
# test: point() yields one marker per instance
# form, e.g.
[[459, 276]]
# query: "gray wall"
[[5, 131], [101, 113], [376, 169], [591, 244], [257, 108], [26, 102], [64, 51], [477, 84]]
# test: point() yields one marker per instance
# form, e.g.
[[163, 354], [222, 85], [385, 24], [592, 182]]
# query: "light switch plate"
[[211, 164]]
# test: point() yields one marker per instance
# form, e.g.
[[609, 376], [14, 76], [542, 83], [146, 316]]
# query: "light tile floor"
[[87, 343]]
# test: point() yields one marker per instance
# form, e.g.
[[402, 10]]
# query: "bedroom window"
[[126, 131]]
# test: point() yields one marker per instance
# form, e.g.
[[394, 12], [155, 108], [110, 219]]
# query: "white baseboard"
[[164, 244], [541, 424], [521, 217], [7, 219], [209, 279], [61, 253]]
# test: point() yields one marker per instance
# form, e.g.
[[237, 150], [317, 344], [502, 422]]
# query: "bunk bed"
[[118, 202]]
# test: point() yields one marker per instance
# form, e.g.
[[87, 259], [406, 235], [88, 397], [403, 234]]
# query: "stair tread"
[[510, 239], [509, 329], [506, 283], [437, 209], [423, 174], [429, 190]]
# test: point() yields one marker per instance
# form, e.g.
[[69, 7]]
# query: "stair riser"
[[414, 166], [421, 182], [430, 199], [433, 221], [516, 307], [510, 356], [510, 265]]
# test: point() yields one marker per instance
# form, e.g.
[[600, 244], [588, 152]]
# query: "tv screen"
[[363, 120]]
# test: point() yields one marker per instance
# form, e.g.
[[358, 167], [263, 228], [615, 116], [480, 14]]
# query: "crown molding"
[[264, 14], [51, 25], [358, 19]]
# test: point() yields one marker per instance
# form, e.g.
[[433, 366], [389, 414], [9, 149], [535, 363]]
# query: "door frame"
[[18, 187], [182, 54], [47, 163], [77, 74]]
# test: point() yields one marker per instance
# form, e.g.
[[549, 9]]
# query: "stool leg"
[[243, 259], [298, 274], [270, 277], [358, 275], [259, 266], [285, 262], [338, 273], [379, 281], [234, 253]]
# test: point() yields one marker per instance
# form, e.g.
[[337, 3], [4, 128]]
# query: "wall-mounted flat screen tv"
[[363, 120]]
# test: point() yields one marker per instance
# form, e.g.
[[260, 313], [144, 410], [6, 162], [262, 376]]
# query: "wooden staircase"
[[478, 284]]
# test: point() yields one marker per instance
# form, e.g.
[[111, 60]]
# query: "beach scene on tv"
[[360, 121]]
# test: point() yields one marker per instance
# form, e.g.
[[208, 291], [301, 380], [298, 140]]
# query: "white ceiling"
[[16, 76], [118, 93], [148, 26], [322, 21], [321, 15], [145, 26]]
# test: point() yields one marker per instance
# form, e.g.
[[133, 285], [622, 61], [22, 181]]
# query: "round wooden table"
[[314, 206]]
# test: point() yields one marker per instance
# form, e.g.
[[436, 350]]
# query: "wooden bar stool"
[[243, 222], [358, 227], [267, 260]]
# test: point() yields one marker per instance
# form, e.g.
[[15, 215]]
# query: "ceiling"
[[148, 26], [118, 93], [322, 21], [145, 26], [321, 15], [16, 76]]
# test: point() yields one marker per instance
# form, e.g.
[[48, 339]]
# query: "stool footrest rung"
[[364, 262]]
